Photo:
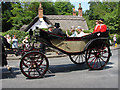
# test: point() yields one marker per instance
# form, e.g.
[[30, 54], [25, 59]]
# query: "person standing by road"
[[4, 43], [14, 43]]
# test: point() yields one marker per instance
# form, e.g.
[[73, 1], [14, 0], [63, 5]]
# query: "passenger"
[[100, 27], [97, 27], [81, 33], [50, 28], [58, 31], [74, 33], [103, 27]]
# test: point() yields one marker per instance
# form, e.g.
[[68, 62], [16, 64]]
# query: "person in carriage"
[[100, 27], [74, 33], [57, 30]]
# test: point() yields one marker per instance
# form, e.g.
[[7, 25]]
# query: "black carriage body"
[[50, 40]]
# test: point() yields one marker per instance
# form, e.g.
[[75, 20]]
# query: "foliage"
[[63, 8], [20, 35], [106, 10], [6, 14], [17, 14]]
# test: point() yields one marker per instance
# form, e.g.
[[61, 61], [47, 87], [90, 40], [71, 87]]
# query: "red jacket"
[[100, 28]]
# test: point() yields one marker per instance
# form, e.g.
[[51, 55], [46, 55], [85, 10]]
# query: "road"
[[65, 74]]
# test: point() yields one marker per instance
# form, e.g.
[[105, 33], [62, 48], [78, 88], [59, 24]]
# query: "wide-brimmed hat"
[[50, 26], [57, 25]]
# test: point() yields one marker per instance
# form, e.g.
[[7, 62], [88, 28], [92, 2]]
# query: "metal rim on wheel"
[[98, 57], [34, 64], [78, 59]]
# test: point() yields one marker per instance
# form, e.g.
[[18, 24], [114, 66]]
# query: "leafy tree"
[[106, 10], [6, 14], [63, 8]]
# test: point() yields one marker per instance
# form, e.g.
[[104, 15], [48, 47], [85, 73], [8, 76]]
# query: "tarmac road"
[[65, 74]]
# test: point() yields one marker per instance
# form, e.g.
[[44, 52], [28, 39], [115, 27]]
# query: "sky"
[[84, 5]]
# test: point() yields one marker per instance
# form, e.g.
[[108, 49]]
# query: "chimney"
[[79, 10], [40, 11], [74, 13]]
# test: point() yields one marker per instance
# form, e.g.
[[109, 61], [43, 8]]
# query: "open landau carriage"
[[92, 49]]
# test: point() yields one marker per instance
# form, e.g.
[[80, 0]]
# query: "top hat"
[[57, 25]]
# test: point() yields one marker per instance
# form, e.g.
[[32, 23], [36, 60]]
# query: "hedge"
[[20, 35]]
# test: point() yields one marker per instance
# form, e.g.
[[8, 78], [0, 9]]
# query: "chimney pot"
[[40, 11], [80, 10], [74, 13]]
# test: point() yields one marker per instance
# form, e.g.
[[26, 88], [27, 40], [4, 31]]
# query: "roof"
[[66, 21]]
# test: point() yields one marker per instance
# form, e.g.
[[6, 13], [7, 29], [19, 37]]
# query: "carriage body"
[[92, 49]]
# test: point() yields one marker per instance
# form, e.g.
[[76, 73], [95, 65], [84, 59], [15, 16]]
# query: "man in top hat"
[[58, 31]]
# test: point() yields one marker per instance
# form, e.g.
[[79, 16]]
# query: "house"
[[66, 21]]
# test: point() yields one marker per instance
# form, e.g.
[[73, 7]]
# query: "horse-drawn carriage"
[[92, 49]]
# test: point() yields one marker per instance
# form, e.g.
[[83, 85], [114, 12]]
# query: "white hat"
[[79, 27]]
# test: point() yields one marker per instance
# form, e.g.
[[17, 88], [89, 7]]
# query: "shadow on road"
[[10, 74], [72, 67]]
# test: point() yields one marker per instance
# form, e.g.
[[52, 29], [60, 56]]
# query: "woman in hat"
[[74, 33], [81, 33]]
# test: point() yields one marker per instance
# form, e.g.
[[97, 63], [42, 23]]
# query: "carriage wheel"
[[34, 64], [98, 57], [78, 59]]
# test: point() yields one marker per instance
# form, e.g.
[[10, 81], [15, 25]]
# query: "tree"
[[106, 10], [63, 8], [6, 14]]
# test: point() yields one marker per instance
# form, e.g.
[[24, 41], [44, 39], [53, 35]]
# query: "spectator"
[[114, 39], [25, 42], [8, 39], [4, 43], [14, 42]]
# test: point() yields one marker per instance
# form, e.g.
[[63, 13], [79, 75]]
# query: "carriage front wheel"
[[97, 55], [34, 64]]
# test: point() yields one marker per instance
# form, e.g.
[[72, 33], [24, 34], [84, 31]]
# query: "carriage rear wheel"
[[77, 59], [34, 64], [97, 56]]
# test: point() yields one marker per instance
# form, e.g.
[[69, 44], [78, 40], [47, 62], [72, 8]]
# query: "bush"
[[20, 35]]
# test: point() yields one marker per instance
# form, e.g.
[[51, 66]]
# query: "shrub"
[[20, 35]]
